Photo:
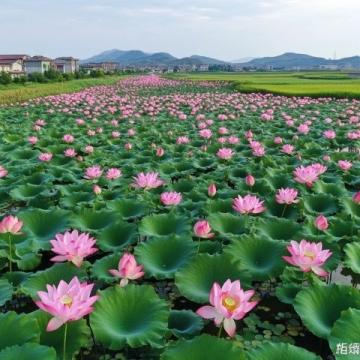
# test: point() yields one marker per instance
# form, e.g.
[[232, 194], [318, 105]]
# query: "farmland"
[[158, 218], [314, 83], [18, 93]]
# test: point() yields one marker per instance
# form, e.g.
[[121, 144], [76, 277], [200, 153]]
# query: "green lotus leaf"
[[341, 228], [127, 208], [287, 292], [37, 179], [351, 207], [216, 206], [15, 278], [76, 199], [38, 281], [336, 190], [163, 225], [260, 256], [43, 225], [279, 181], [91, 220], [23, 154], [260, 187], [78, 335], [195, 280], [320, 204], [280, 210], [185, 323], [346, 331], [281, 351], [204, 347], [352, 256], [117, 236], [279, 229], [183, 186], [209, 247], [163, 257], [28, 351], [101, 267], [28, 261], [133, 315], [6, 290], [28, 192], [227, 224], [320, 306], [17, 329]]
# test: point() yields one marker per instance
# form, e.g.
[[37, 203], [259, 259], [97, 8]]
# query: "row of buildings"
[[19, 65]]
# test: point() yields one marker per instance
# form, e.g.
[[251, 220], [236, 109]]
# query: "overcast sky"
[[225, 29]]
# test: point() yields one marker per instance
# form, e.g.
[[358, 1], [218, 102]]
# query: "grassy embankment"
[[317, 83], [13, 93]]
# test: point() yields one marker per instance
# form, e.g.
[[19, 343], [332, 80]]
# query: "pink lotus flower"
[[308, 256], [202, 229], [319, 168], [182, 140], [113, 174], [149, 180], [89, 149], [205, 133], [32, 140], [229, 303], [70, 152], [170, 198], [287, 149], [225, 153], [212, 190], [128, 146], [249, 180], [356, 198], [286, 196], [128, 269], [321, 223], [3, 172], [97, 189], [115, 134], [233, 140], [160, 152], [345, 165], [72, 246], [45, 157], [93, 172], [66, 302], [223, 131], [68, 138], [329, 134], [278, 140], [303, 129], [248, 204], [306, 175], [10, 224]]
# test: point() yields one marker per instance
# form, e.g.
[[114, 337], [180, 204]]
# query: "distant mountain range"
[[293, 60], [285, 61], [140, 58]]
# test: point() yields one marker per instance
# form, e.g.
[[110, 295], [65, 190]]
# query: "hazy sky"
[[225, 29]]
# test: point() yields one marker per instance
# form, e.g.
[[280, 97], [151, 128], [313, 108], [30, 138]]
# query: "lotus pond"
[[177, 220]]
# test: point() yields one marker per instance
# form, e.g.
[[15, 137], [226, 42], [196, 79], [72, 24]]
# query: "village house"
[[107, 66], [66, 65], [13, 64], [38, 64]]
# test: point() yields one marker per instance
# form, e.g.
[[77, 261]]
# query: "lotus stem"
[[284, 209], [10, 254], [220, 329], [64, 343]]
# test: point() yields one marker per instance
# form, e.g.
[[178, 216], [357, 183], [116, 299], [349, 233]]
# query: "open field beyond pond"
[[317, 83]]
